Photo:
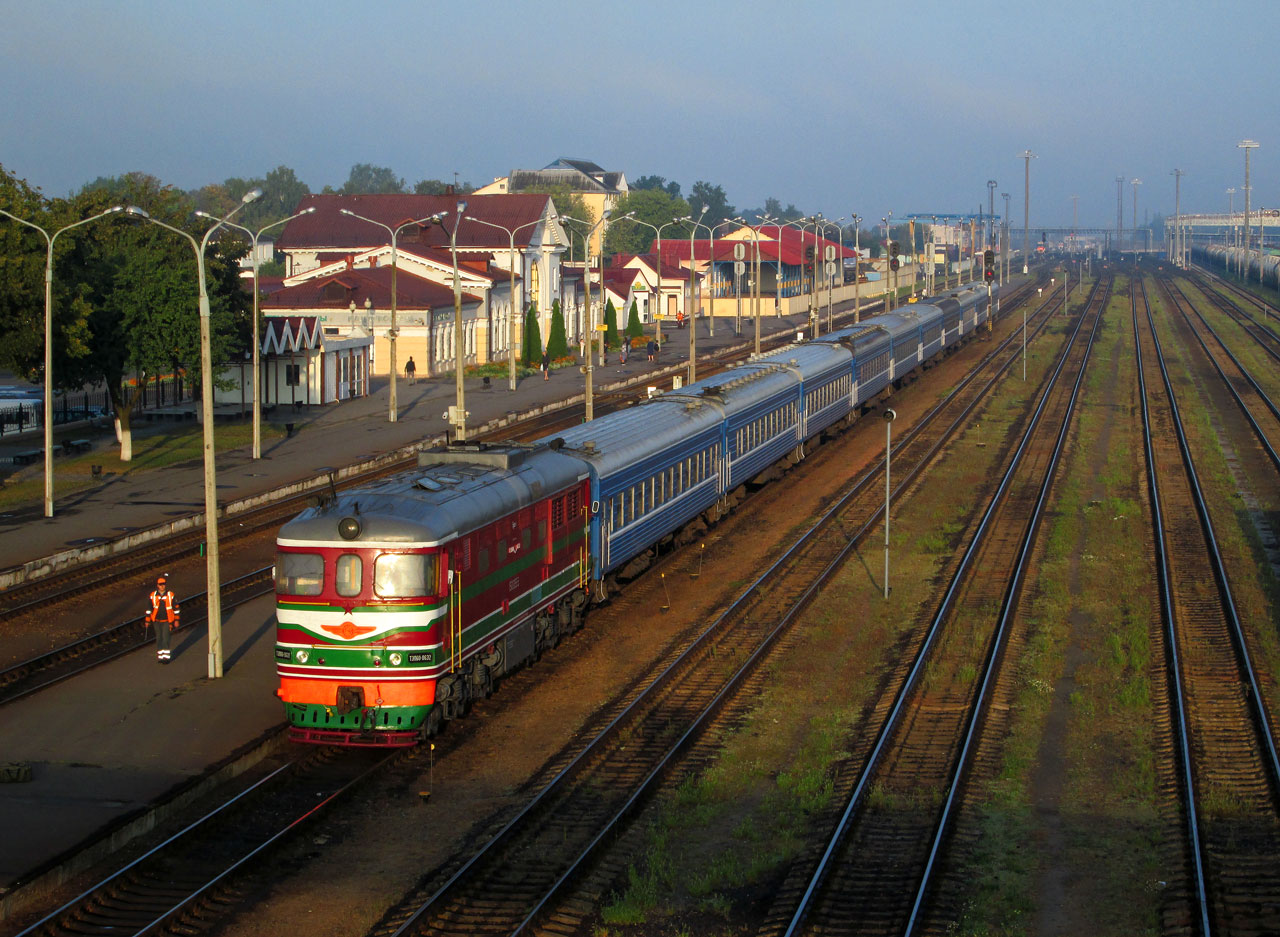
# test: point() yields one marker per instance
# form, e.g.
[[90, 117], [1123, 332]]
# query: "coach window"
[[349, 574], [399, 575], [299, 573]]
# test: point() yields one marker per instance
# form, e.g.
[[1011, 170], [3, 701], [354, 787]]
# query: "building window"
[[293, 374]]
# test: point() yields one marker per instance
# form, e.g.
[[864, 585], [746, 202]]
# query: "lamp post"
[[458, 412], [1004, 247], [590, 324], [657, 302], [857, 267], [693, 308], [837, 225], [711, 261], [212, 576], [1027, 156], [257, 381], [1177, 215], [1247, 145], [755, 245], [392, 403], [1135, 183], [48, 340], [511, 326], [889, 416], [1039, 294]]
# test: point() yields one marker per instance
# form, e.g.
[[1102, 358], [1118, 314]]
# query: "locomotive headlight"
[[302, 656], [349, 528], [395, 658]]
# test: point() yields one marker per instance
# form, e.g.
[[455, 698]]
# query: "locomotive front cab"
[[358, 641]]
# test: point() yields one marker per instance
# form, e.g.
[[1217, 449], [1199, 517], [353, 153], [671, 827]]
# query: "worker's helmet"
[[160, 581]]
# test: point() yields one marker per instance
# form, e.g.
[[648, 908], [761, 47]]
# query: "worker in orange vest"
[[165, 615]]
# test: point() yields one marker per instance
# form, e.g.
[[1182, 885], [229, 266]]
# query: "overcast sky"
[[836, 106]]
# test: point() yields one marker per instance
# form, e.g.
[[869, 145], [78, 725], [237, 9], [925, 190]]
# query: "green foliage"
[[22, 258], [557, 341], [271, 268], [711, 197], [652, 206], [438, 187], [610, 325], [657, 182], [634, 328], [531, 349], [367, 179]]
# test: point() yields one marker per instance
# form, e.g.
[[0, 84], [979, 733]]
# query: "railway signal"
[[893, 255], [988, 265]]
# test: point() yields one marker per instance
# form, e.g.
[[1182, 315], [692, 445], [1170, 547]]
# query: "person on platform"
[[410, 369], [163, 613], [546, 365]]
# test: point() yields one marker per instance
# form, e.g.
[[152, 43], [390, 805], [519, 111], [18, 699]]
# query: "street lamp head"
[[307, 211], [135, 210], [462, 206], [250, 196], [343, 211]]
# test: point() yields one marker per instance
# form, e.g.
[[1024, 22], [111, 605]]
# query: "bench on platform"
[[26, 458], [76, 445]]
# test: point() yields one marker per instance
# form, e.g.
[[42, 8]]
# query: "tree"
[[610, 325], [531, 352], [712, 197], [131, 290], [634, 328], [22, 257], [367, 179], [654, 206], [657, 182], [557, 341], [438, 187]]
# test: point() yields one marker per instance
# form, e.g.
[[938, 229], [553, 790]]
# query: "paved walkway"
[[326, 437]]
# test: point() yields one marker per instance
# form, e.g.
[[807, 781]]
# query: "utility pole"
[[1247, 145], [991, 211], [1028, 156], [1075, 219], [1004, 245], [1135, 184], [1119, 211], [1177, 214]]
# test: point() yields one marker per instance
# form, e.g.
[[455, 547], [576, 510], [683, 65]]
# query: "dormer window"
[[334, 292]]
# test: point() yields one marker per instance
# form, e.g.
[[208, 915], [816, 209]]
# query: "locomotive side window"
[[400, 575], [349, 574], [299, 573]]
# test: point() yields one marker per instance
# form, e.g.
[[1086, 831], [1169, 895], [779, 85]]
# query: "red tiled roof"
[[327, 228], [792, 247], [339, 290]]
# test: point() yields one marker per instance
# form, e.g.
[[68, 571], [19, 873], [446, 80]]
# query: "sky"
[[838, 107]]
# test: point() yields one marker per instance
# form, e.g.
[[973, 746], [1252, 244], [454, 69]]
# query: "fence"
[[17, 416]]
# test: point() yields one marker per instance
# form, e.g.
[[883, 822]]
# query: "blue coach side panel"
[[653, 467], [826, 377]]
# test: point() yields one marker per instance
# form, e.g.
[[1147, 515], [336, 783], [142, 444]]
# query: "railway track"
[[1230, 776], [187, 883], [873, 872], [540, 867], [205, 900], [1213, 287]]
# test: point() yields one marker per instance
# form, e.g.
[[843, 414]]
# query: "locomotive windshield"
[[299, 573], [401, 575]]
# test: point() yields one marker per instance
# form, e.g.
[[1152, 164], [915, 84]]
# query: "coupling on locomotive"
[[401, 602]]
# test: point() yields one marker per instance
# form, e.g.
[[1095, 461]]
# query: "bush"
[[531, 348], [557, 342]]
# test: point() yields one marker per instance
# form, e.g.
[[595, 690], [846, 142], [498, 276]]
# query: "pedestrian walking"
[[163, 612], [410, 369], [546, 365], [622, 355]]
